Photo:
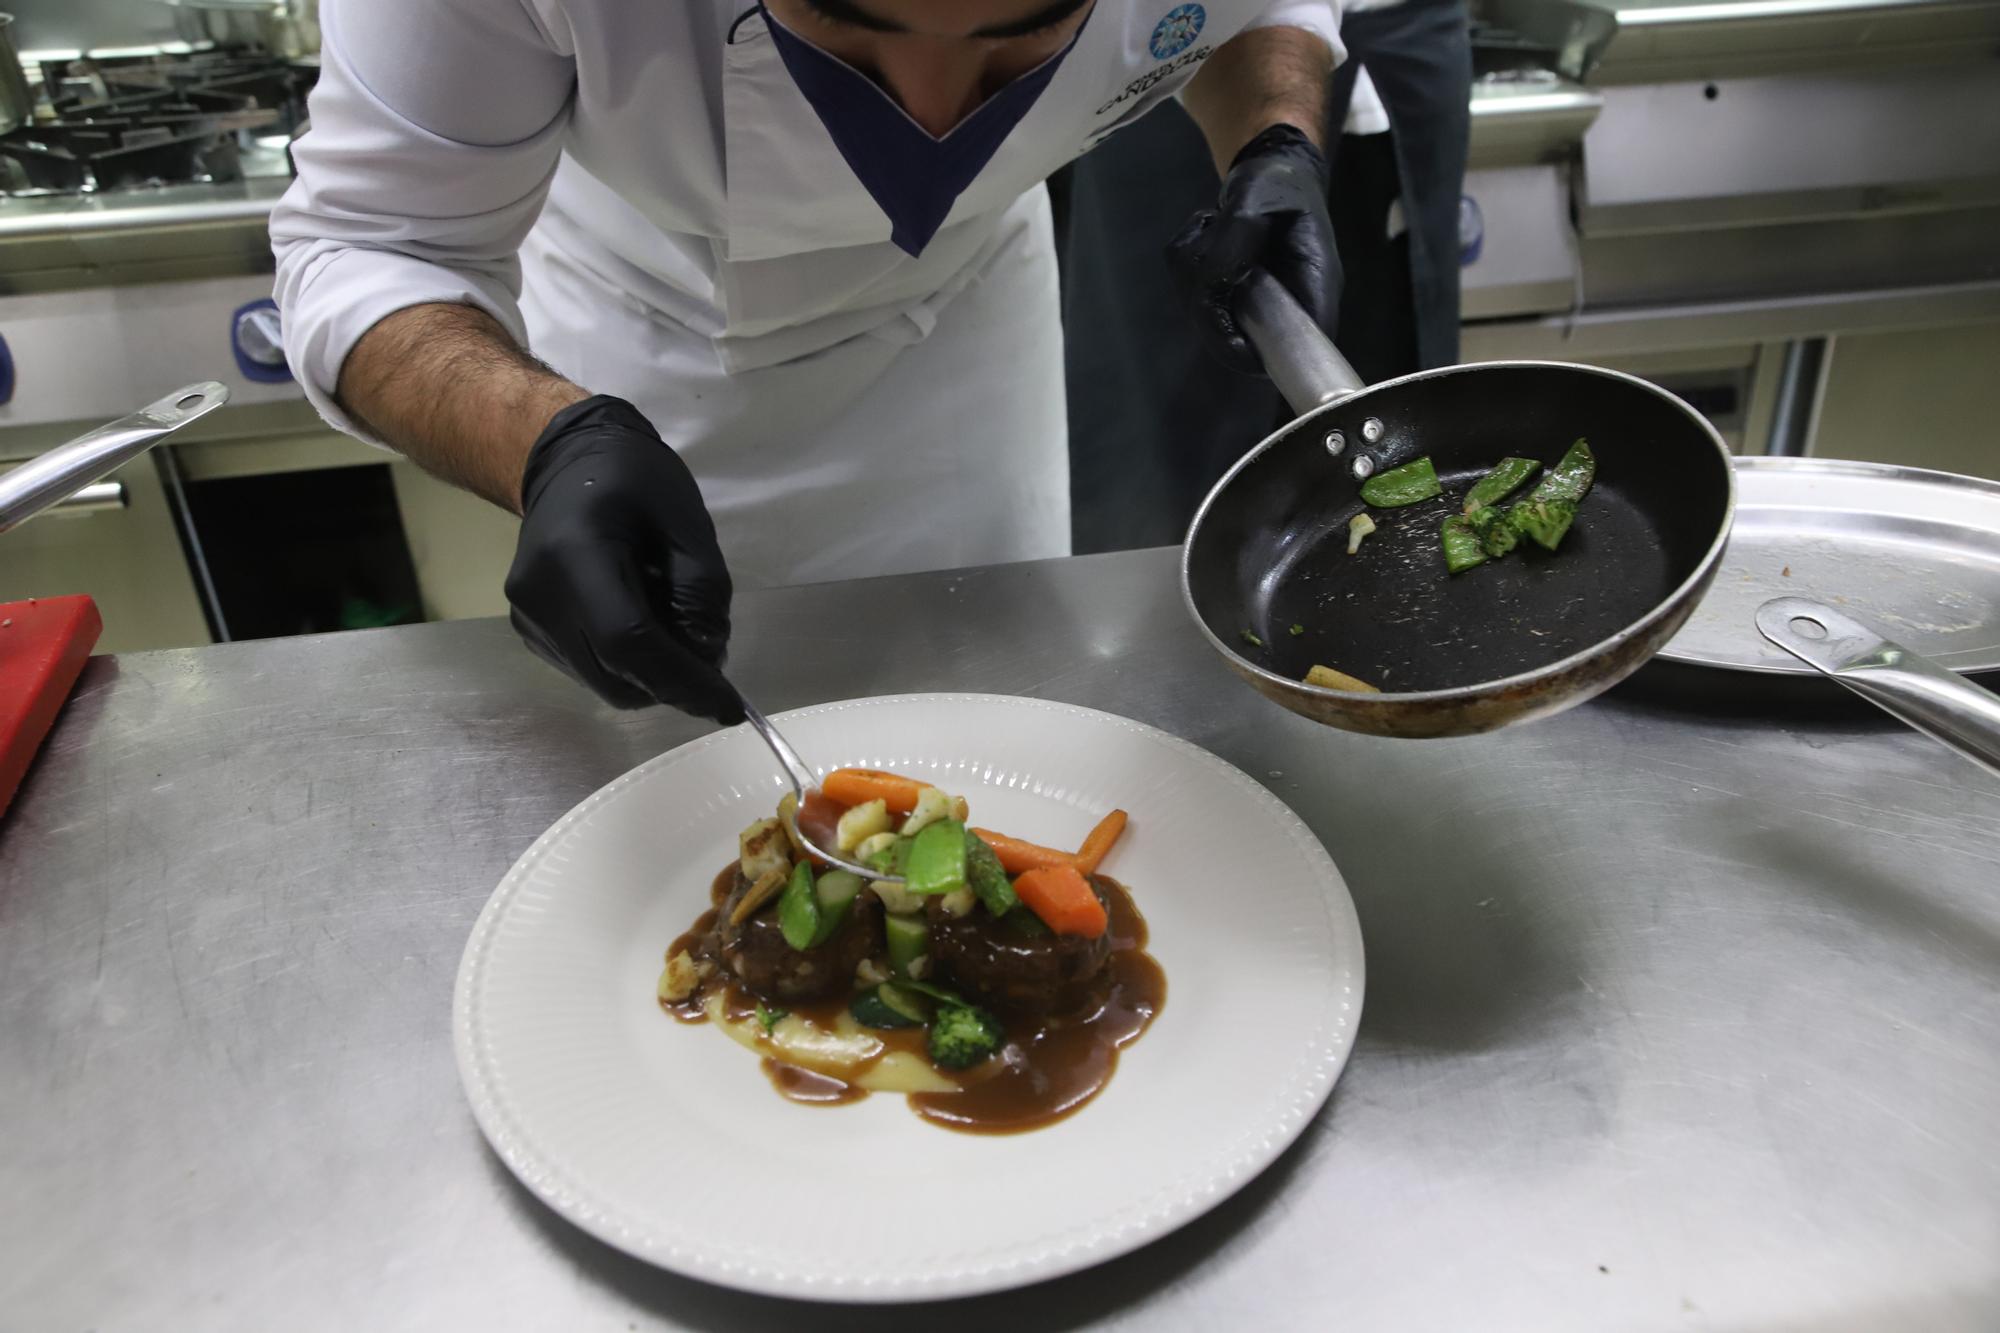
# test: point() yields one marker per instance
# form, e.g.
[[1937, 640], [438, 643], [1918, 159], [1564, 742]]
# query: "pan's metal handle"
[[1935, 701], [68, 468], [1300, 359]]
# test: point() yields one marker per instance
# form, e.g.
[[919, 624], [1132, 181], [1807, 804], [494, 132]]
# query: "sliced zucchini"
[[909, 938], [836, 891], [798, 909], [938, 993], [904, 1001], [889, 1006], [870, 1012]]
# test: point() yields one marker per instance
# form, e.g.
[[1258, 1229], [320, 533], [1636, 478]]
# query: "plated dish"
[[993, 981], [668, 1142]]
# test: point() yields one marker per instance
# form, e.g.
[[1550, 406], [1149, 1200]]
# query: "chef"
[[701, 289]]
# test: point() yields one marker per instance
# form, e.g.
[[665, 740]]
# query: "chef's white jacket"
[[678, 183]]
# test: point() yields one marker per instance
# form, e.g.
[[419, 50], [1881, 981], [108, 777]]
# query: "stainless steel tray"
[[1915, 553]]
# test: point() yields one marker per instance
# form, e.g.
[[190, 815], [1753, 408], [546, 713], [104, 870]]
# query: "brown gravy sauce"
[[1051, 1065], [810, 1088]]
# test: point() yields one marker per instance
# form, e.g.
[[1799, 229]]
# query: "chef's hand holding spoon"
[[617, 578]]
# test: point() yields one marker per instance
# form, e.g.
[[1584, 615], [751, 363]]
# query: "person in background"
[[1159, 407]]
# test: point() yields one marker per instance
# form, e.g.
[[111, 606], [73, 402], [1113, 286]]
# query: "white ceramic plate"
[[667, 1142]]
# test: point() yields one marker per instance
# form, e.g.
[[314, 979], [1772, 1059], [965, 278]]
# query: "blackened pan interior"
[[1269, 552]]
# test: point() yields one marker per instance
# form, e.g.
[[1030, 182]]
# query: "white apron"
[[849, 410], [904, 448]]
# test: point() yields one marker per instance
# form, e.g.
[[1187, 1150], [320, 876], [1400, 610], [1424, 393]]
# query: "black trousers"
[[1154, 420], [1419, 56]]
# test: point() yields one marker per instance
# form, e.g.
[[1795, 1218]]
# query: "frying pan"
[[1266, 573]]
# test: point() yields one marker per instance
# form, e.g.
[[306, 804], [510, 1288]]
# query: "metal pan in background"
[[1514, 639], [1913, 552]]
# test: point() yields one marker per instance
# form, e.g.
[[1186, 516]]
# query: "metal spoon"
[[1937, 702], [803, 780]]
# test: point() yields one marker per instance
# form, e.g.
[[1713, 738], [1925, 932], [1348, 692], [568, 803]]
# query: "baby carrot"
[[1100, 841], [858, 786], [1016, 855], [1062, 898]]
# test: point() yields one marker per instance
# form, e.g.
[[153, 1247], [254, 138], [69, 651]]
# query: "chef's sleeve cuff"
[[1319, 17], [335, 293]]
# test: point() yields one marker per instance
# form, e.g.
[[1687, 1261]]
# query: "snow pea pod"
[[1461, 544], [1501, 482], [937, 860], [1546, 514], [1406, 485], [1496, 535]]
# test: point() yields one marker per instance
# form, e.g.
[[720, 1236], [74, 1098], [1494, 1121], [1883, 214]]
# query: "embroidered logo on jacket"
[[1154, 77], [1176, 32]]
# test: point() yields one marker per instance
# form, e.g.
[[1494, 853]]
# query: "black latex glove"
[[1271, 215], [617, 578]]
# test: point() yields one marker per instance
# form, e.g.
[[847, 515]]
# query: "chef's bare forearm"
[[1257, 79], [448, 387]]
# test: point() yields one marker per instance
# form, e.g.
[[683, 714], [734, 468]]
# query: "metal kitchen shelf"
[[185, 232], [1707, 39], [182, 232], [172, 233], [1521, 123], [1615, 331]]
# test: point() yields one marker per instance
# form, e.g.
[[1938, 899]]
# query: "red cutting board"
[[43, 645]]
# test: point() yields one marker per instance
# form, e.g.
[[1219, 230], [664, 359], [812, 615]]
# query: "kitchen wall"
[[1920, 398]]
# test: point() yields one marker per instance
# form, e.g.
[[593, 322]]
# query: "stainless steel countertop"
[[1673, 1020]]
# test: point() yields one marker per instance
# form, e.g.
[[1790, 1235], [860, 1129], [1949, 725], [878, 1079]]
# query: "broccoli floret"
[[961, 1036]]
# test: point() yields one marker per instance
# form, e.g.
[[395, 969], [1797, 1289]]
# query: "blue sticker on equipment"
[[6, 372], [1471, 231], [1176, 32], [256, 336]]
